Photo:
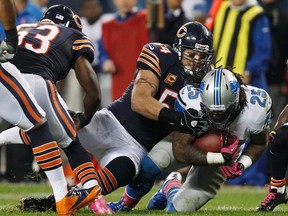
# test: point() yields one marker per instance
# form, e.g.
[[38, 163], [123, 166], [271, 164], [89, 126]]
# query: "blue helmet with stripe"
[[220, 94]]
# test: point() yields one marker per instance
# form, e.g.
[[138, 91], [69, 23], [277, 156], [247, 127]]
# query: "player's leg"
[[159, 158], [196, 191], [278, 159], [28, 115]]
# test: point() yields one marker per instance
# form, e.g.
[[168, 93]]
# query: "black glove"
[[79, 119], [8, 47], [191, 121]]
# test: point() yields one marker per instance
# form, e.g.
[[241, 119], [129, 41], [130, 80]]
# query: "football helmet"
[[62, 15], [220, 94], [194, 36]]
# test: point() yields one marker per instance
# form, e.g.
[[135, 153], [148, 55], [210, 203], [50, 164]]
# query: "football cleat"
[[118, 206], [38, 204], [159, 201], [272, 200], [76, 199], [100, 207]]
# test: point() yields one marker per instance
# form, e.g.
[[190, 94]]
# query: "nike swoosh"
[[181, 122], [232, 149], [80, 199]]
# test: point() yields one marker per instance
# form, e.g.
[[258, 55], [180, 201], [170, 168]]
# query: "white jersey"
[[251, 120], [197, 188]]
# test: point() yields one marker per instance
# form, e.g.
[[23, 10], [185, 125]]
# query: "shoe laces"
[[269, 197]]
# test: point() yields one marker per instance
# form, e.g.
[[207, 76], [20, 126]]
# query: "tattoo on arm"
[[152, 85]]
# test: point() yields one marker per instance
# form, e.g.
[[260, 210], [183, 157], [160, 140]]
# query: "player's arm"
[[7, 14], [88, 80], [184, 151], [8, 19], [282, 118], [142, 100], [258, 144]]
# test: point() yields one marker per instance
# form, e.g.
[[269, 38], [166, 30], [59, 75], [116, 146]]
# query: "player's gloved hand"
[[233, 171], [79, 119], [8, 47], [229, 151], [191, 122]]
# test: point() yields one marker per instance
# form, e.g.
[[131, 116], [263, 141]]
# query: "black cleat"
[[272, 200], [38, 204]]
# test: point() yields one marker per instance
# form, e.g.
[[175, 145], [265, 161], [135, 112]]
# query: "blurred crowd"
[[118, 30]]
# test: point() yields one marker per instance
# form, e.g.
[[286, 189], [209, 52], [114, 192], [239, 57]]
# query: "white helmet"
[[220, 93]]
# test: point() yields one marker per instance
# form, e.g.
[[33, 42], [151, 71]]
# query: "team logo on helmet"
[[77, 21], [182, 32]]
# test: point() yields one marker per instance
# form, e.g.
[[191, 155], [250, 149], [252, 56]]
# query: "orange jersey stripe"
[[79, 47], [148, 63], [25, 137]]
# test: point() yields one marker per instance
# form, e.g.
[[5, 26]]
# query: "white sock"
[[58, 182], [91, 183], [10, 136], [279, 189]]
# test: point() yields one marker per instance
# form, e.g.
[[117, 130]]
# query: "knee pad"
[[162, 162]]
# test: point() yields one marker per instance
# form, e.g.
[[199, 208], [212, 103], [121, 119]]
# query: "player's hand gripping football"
[[8, 47], [191, 122], [79, 119], [229, 150], [233, 171]]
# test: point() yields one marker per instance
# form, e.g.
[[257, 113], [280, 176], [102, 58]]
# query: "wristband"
[[12, 36], [214, 158], [246, 161], [168, 115]]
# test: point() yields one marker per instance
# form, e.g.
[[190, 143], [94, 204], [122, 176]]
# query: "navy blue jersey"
[[163, 61], [50, 50]]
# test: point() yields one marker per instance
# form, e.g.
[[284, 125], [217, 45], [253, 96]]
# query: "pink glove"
[[229, 151], [232, 171]]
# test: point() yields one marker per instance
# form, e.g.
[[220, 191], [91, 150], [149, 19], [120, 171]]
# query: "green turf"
[[230, 201]]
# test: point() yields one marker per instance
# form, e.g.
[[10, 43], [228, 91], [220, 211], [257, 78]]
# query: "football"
[[211, 141]]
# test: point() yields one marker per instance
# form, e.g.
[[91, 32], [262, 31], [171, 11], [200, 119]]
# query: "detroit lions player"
[[228, 105]]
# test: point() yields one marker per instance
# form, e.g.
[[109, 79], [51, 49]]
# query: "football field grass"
[[230, 201]]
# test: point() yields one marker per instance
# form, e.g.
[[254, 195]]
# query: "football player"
[[228, 106], [19, 107], [47, 51], [278, 161]]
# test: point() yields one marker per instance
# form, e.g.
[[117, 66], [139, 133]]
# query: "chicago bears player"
[[120, 135], [229, 106], [19, 107], [47, 51], [278, 147]]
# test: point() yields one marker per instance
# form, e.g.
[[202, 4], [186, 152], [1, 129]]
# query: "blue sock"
[[170, 191], [145, 180]]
